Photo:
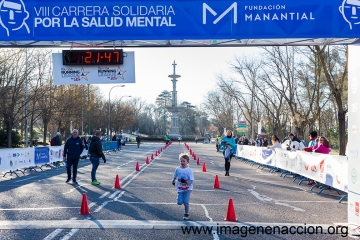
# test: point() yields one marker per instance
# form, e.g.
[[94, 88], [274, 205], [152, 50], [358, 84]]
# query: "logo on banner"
[[74, 74], [306, 167], [208, 8], [13, 15], [354, 129], [354, 84], [357, 208], [111, 73], [350, 10], [354, 107], [353, 153], [353, 176], [300, 163], [322, 166], [313, 168]]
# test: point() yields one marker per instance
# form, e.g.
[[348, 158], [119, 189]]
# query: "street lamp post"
[[108, 131]]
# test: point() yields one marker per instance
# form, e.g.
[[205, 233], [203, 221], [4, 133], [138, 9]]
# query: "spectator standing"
[[258, 141], [218, 142], [56, 141], [138, 139], [295, 143], [265, 142], [275, 142], [246, 141], [114, 138], [72, 151], [196, 139], [323, 146], [312, 141], [119, 142], [95, 154]]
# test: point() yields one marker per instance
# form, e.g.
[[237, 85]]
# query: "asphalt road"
[[42, 206]]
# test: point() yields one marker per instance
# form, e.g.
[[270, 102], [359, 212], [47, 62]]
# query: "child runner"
[[185, 177]]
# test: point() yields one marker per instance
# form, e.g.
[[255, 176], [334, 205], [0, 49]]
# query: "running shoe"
[[186, 216], [95, 182]]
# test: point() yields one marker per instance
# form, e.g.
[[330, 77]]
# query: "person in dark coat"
[[95, 154], [72, 151], [114, 138]]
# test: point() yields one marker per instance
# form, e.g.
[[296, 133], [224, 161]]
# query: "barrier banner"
[[42, 155], [56, 153], [353, 149], [331, 170], [175, 20], [12, 159], [336, 170]]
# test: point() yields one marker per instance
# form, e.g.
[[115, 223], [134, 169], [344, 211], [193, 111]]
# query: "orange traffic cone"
[[117, 182], [204, 167], [137, 168], [147, 160], [194, 156], [152, 156], [230, 214], [216, 182], [198, 161], [84, 209]]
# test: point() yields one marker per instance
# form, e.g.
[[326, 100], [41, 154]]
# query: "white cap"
[[58, 133]]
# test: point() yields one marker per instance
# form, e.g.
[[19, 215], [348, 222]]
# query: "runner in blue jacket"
[[228, 147]]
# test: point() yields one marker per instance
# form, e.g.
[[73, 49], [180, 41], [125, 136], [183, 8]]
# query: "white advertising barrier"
[[12, 159], [331, 170], [257, 154], [56, 153], [354, 134]]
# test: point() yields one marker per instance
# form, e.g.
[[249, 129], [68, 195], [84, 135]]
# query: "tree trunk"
[[45, 132], [9, 130]]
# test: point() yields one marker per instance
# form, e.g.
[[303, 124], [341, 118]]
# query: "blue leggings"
[[184, 198]]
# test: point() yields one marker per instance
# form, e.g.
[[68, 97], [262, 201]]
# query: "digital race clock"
[[92, 57]]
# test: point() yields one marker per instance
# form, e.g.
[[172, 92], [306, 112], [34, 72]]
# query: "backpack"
[[53, 142]]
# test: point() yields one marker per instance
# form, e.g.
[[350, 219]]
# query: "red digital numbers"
[[107, 55], [92, 57], [117, 56], [88, 56]]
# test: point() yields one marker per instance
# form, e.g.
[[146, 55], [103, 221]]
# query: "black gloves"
[[104, 159], [173, 182]]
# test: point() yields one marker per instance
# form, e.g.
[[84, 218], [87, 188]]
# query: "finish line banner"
[[175, 20]]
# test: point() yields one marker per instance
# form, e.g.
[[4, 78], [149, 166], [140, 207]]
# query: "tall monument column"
[[174, 109]]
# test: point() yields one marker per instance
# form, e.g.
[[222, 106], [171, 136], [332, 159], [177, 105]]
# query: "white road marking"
[[92, 204], [214, 233], [34, 209], [195, 204], [267, 199], [102, 206], [119, 196], [72, 190], [114, 194], [139, 224], [26, 179], [104, 195], [53, 234], [70, 234]]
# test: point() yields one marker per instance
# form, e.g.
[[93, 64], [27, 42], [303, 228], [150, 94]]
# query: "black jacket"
[[96, 148], [73, 148]]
